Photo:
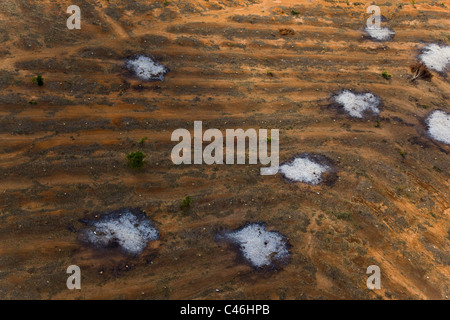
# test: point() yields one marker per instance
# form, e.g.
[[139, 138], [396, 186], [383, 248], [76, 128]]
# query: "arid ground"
[[233, 64]]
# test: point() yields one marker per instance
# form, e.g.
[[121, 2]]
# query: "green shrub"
[[136, 159], [39, 80], [386, 75], [186, 203]]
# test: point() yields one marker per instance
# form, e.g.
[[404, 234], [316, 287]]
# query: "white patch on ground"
[[259, 246], [381, 34], [146, 68], [436, 57], [271, 170], [357, 104], [439, 126], [304, 170], [129, 231]]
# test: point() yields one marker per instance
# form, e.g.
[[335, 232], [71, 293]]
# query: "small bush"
[[344, 215], [402, 153], [186, 203], [386, 75], [136, 159], [39, 80], [295, 13], [142, 141]]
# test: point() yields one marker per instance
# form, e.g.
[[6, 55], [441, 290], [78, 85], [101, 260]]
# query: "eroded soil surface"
[[233, 64]]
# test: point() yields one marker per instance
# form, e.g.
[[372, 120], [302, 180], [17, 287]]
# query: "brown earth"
[[234, 64]]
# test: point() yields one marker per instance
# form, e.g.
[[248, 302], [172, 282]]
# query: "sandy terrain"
[[63, 158]]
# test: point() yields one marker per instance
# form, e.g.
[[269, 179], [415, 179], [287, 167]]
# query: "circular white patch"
[[439, 126], [381, 34], [436, 57], [259, 246], [130, 232], [357, 104], [304, 170], [147, 69]]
